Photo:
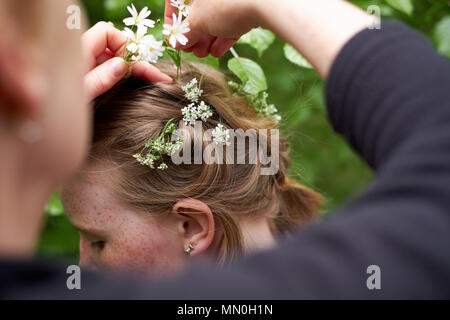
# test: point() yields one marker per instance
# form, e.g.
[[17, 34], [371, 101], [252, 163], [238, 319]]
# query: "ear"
[[196, 223], [22, 79]]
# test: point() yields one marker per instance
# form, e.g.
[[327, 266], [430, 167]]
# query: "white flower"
[[189, 114], [177, 30], [277, 118], [162, 166], [151, 49], [148, 160], [135, 38], [139, 19], [184, 6], [204, 112], [191, 90], [221, 135], [271, 109]]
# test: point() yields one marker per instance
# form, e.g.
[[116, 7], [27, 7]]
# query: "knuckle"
[[102, 25]]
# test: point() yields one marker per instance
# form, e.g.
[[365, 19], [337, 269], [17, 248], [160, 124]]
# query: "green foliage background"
[[321, 159]]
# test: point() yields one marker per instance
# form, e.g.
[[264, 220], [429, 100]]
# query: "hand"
[[100, 45], [216, 24]]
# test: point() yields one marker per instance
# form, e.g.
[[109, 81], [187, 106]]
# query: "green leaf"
[[296, 58], [258, 38], [54, 206], [209, 60], [405, 6], [441, 36], [385, 9], [250, 74]]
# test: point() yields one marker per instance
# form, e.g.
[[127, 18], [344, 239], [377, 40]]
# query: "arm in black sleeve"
[[388, 93]]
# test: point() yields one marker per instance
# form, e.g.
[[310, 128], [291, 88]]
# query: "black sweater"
[[388, 93]]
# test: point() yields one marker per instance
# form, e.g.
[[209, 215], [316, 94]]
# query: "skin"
[[51, 85], [115, 237], [50, 92]]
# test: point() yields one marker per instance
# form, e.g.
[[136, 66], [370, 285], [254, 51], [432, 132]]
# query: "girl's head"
[[134, 217]]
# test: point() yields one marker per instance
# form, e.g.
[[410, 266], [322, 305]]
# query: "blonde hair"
[[135, 111]]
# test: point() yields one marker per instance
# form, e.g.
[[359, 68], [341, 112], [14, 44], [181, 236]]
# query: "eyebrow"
[[89, 231]]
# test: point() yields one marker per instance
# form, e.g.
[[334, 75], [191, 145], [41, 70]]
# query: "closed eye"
[[99, 245]]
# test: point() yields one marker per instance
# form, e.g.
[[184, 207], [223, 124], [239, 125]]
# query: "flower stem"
[[234, 53]]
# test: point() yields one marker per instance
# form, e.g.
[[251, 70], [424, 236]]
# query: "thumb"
[[104, 77]]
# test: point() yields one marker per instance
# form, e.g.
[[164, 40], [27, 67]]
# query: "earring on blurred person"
[[30, 131], [189, 249]]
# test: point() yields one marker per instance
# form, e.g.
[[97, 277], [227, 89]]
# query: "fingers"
[[203, 47], [148, 72], [104, 57], [221, 46], [100, 37], [104, 77], [217, 47], [169, 10]]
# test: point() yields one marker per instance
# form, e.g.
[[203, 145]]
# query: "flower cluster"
[[202, 111], [145, 47], [258, 101], [221, 135], [154, 150], [191, 91], [193, 112]]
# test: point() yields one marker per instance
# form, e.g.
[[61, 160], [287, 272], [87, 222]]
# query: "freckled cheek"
[[142, 252]]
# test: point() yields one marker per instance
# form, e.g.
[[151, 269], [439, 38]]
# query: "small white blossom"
[[192, 91], [135, 38], [162, 166], [176, 31], [221, 135], [271, 109], [148, 160], [184, 6], [189, 114], [204, 112], [151, 49], [277, 118], [139, 158], [139, 19]]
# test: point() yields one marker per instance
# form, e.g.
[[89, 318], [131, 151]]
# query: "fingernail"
[[119, 67], [166, 78]]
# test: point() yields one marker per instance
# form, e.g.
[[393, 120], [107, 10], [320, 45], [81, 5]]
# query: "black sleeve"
[[388, 93]]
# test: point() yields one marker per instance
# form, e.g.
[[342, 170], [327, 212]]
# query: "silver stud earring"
[[189, 249], [30, 131]]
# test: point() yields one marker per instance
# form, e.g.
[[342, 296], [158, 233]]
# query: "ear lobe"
[[22, 84], [196, 223]]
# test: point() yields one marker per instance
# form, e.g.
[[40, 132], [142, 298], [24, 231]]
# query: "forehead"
[[90, 203]]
